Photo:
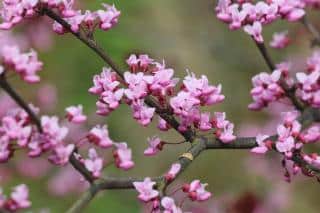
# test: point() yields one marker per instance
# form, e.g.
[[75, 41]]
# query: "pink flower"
[[20, 198], [196, 191], [289, 117], [106, 81], [183, 103], [154, 146], [89, 18], [226, 135], [94, 163], [112, 99], [52, 132], [137, 85], [280, 40], [163, 83], [308, 81], [222, 10], [108, 17], [163, 125], [295, 15], [169, 205], [219, 120], [74, 114], [255, 31], [262, 147], [313, 62], [145, 189], [25, 64], [311, 135], [123, 156], [266, 89], [237, 16], [200, 88], [173, 172], [286, 146], [205, 124], [99, 135], [61, 154], [142, 113], [139, 63]]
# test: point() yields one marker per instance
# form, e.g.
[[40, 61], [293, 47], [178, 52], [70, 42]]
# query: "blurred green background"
[[187, 35]]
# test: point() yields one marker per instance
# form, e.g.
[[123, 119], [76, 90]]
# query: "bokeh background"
[[187, 35]]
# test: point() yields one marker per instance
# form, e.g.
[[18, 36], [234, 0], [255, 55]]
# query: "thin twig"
[[84, 200], [15, 96]]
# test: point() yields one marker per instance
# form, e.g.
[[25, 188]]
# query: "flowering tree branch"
[[92, 44], [34, 118], [198, 146], [148, 88], [14, 95]]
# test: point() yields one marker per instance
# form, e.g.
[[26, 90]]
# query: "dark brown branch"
[[14, 95], [188, 135], [80, 168]]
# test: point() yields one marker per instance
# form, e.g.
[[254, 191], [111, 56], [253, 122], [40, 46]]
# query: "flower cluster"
[[252, 16], [288, 137], [99, 136], [19, 199], [16, 127], [266, 89], [94, 163], [147, 193], [309, 83], [14, 11], [107, 87], [148, 77], [25, 64], [105, 19]]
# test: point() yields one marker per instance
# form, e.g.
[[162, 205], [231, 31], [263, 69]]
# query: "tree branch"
[[84, 200], [188, 135], [199, 144], [15, 96], [34, 119]]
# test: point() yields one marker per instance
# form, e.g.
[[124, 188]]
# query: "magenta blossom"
[[123, 156], [196, 191], [174, 170], [169, 205], [99, 135], [154, 146], [262, 147], [145, 189], [94, 163], [74, 114], [19, 198]]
